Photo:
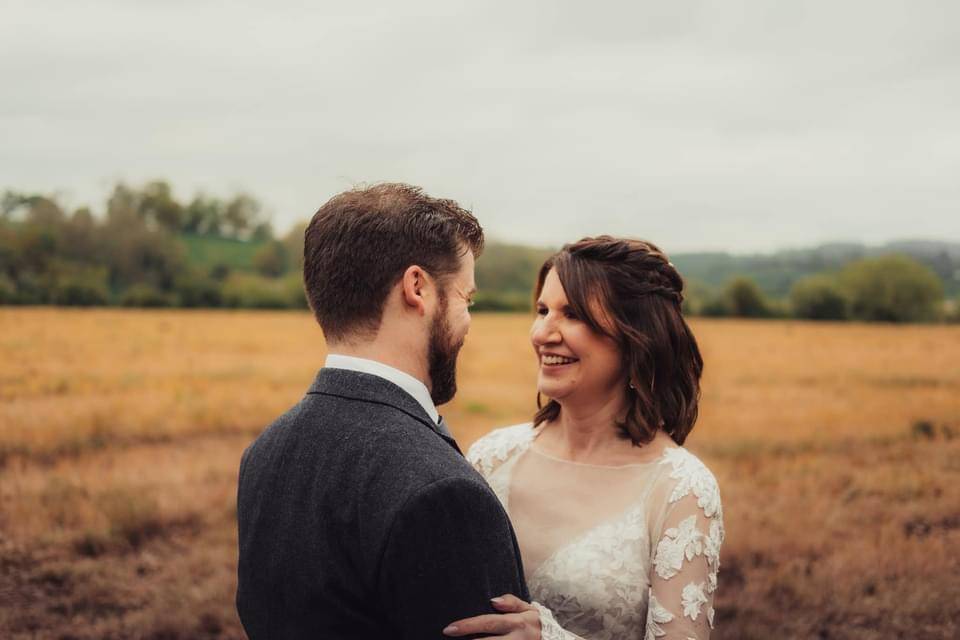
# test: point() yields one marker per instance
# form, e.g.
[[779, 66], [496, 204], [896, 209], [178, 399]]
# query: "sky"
[[700, 125]]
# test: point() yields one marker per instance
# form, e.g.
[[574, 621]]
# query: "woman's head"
[[609, 324]]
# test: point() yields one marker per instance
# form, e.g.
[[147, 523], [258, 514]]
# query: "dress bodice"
[[627, 551]]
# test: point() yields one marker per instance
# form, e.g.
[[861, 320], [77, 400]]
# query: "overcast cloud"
[[741, 126]]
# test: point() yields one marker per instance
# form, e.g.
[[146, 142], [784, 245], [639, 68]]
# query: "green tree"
[[262, 232], [271, 259], [145, 295], [241, 216], [818, 297], [220, 271], [952, 310], [196, 289], [716, 306], [744, 299], [44, 211], [892, 288], [256, 292], [11, 202], [81, 236], [123, 204], [203, 215], [293, 242], [157, 205], [133, 252], [79, 285], [8, 290], [696, 295], [505, 268], [36, 246], [293, 288]]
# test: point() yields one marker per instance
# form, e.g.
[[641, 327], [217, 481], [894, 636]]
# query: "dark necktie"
[[446, 435]]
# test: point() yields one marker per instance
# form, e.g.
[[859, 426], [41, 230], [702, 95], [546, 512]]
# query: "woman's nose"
[[545, 332]]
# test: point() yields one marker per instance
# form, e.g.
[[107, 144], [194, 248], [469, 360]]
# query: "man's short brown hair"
[[358, 245]]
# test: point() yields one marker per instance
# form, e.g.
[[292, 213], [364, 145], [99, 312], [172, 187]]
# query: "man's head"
[[388, 263]]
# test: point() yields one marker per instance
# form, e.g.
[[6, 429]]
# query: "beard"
[[442, 357]]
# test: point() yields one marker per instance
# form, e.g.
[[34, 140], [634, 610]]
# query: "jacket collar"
[[366, 387], [402, 379]]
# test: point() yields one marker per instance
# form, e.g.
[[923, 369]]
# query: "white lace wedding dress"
[[610, 552]]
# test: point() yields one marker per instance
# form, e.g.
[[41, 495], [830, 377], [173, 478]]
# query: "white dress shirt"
[[405, 381]]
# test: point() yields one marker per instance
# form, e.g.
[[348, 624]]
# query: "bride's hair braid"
[[649, 269]]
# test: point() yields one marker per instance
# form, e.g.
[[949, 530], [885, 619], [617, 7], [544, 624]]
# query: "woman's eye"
[[541, 311]]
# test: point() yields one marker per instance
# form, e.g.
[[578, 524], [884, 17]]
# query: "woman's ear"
[[414, 284]]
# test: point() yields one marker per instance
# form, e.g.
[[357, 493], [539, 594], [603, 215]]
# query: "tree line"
[[148, 249], [890, 288], [137, 252]]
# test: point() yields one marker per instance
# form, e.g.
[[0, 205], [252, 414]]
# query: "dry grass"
[[837, 447]]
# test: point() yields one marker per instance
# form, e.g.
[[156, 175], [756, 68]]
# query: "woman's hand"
[[517, 620]]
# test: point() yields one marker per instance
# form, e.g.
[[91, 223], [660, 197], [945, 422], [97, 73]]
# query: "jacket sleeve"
[[450, 549]]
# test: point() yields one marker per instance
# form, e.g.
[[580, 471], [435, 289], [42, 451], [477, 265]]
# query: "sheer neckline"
[[532, 447], [536, 431]]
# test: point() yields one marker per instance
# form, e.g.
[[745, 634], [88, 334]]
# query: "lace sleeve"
[[475, 456], [495, 448], [685, 563], [550, 629]]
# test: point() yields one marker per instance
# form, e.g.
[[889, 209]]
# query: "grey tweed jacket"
[[359, 518]]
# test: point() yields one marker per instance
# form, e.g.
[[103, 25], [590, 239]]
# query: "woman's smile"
[[551, 361]]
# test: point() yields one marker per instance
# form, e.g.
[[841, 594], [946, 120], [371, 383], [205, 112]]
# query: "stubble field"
[[837, 448]]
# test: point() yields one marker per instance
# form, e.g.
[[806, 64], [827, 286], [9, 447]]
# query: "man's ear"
[[414, 285]]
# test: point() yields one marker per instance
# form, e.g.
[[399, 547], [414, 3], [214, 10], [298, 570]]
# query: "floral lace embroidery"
[[685, 541], [492, 450], [712, 544], [693, 598], [693, 475], [495, 451], [656, 616], [550, 629], [597, 579]]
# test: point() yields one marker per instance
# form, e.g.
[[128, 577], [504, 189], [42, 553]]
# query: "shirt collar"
[[405, 381]]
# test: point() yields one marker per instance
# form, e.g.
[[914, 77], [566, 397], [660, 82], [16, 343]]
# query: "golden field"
[[837, 448]]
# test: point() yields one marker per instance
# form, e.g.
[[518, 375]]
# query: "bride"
[[619, 526]]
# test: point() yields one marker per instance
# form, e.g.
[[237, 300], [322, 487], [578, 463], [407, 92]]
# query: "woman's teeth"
[[557, 360]]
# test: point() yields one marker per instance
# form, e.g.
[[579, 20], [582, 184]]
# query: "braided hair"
[[629, 291]]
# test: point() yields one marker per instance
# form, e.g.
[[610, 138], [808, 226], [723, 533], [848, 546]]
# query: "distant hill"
[[207, 251], [776, 272], [506, 272], [146, 248]]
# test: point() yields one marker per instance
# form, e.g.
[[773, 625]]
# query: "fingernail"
[[497, 600], [451, 629]]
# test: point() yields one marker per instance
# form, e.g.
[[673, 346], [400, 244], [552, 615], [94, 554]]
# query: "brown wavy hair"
[[629, 290]]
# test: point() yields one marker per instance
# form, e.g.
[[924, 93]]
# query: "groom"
[[358, 515]]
